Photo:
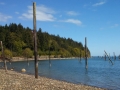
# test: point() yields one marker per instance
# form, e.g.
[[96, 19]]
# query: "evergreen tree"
[[16, 38]]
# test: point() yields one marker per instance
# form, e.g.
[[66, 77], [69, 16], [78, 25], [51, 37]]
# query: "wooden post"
[[27, 61], [105, 57], [49, 53], [114, 56], [80, 54], [3, 56], [35, 40], [49, 57], [86, 64], [119, 56]]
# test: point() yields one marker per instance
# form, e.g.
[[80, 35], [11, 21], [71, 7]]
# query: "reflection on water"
[[100, 73]]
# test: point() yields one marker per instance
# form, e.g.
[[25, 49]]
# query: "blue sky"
[[98, 20]]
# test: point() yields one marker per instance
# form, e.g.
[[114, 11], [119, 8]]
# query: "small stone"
[[23, 70], [11, 69]]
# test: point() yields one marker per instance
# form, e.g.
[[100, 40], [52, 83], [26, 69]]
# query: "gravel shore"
[[12, 80]]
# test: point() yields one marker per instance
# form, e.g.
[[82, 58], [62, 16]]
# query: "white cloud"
[[2, 3], [102, 28], [85, 5], [56, 25], [43, 13], [60, 16], [98, 4], [72, 13], [115, 25], [4, 18], [74, 21], [16, 12]]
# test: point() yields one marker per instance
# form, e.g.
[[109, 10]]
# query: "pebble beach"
[[12, 80]]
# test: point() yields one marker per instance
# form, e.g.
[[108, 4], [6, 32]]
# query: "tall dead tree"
[[108, 57]]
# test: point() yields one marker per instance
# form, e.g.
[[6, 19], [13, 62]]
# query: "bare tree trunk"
[[108, 57]]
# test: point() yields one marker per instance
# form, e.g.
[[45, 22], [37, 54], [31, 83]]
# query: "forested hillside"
[[18, 41]]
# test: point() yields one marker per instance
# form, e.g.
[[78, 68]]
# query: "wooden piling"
[[3, 56], [86, 63], [114, 56], [109, 55], [35, 40], [49, 57], [80, 54], [105, 57], [119, 57]]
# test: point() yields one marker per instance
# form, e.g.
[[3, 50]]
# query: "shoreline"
[[15, 59], [12, 80]]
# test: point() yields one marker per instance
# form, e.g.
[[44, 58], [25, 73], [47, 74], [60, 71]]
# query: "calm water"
[[100, 73]]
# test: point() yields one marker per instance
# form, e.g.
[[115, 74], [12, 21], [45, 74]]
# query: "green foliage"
[[27, 53], [64, 53], [16, 38], [7, 53]]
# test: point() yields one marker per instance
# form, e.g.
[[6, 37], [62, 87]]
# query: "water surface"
[[100, 73]]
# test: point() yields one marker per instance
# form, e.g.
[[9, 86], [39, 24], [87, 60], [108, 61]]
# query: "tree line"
[[18, 41]]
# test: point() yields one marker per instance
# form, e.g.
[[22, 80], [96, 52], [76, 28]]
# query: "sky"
[[97, 20]]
